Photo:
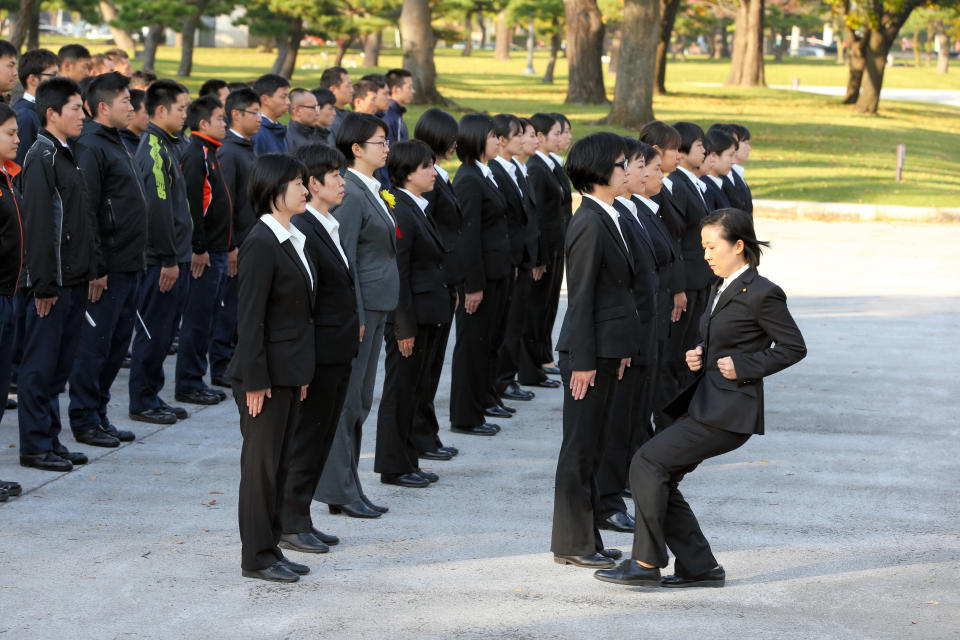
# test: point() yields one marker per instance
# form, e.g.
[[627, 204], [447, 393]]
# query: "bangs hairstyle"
[[472, 134], [324, 97], [212, 87], [54, 94], [438, 129], [740, 131], [268, 83], [632, 148], [239, 100], [590, 162], [357, 128], [105, 88], [689, 134], [319, 160], [660, 134], [649, 152], [718, 141], [137, 97], [543, 122], [163, 93], [738, 225], [35, 62], [507, 125], [563, 120], [405, 158], [202, 109], [269, 178]]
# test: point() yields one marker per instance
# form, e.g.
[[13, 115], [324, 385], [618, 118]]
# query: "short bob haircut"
[[544, 122], [689, 134], [320, 159], [438, 129], [633, 148], [737, 225], [357, 128], [563, 120], [649, 152], [660, 134], [507, 125], [718, 141], [472, 136], [202, 109], [740, 131], [590, 162], [405, 158], [269, 177], [54, 94]]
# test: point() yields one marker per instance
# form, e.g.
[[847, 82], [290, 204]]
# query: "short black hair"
[[54, 94], [324, 96], [649, 152], [104, 88], [738, 225], [212, 87], [362, 87], [137, 97], [689, 134], [740, 131], [202, 109], [8, 50], [472, 134], [562, 119], [236, 84], [73, 52], [632, 148], [268, 179], [396, 78], [405, 158], [144, 77], [438, 129], [506, 125], [543, 122], [660, 134], [357, 128], [320, 159], [717, 141], [719, 126], [239, 100], [6, 112], [332, 77], [591, 159], [33, 63], [378, 79], [268, 83], [163, 93], [299, 91]]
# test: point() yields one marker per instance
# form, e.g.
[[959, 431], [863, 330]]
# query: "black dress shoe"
[[404, 480], [626, 493], [431, 477], [592, 561], [325, 538], [120, 434], [619, 521], [546, 384], [436, 455], [12, 488], [97, 437], [497, 411], [509, 410], [613, 554], [276, 572], [125, 363], [356, 509], [296, 567], [216, 392], [303, 542], [479, 430], [11, 404], [153, 416], [716, 577], [493, 426], [453, 451], [370, 504], [220, 381], [630, 574], [3, 495], [514, 392], [197, 397], [75, 457], [179, 412], [46, 461], [552, 371]]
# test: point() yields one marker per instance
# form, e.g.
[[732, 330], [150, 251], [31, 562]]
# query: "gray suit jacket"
[[368, 235]]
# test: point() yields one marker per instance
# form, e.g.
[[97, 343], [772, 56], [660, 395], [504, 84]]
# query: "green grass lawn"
[[806, 147]]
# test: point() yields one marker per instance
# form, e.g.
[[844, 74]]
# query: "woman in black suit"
[[274, 359], [485, 246], [718, 412]]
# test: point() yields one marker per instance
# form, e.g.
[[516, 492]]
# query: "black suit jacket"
[[715, 197], [566, 204], [692, 209], [669, 267], [549, 196], [486, 240], [601, 319], [735, 195], [336, 320], [645, 281], [424, 297], [531, 236], [275, 340], [750, 316], [444, 210], [520, 218]]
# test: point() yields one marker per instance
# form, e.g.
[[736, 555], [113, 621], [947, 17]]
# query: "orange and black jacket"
[[11, 231], [209, 199]]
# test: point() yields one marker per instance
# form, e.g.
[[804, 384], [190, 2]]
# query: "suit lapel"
[[377, 203], [612, 229], [734, 289], [310, 276], [422, 218], [327, 241]]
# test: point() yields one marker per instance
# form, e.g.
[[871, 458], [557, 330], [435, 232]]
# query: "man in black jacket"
[[303, 129], [212, 212], [118, 202], [61, 263], [169, 230]]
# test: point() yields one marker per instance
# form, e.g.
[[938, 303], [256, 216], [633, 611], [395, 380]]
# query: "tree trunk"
[[288, 46], [371, 49], [531, 45], [33, 40], [746, 66], [781, 48], [504, 36], [584, 52], [342, 47], [856, 61], [468, 36], [615, 43], [633, 94], [188, 34], [875, 63], [122, 37], [943, 46], [483, 29], [150, 44], [418, 44], [668, 15], [22, 26], [556, 41], [720, 48]]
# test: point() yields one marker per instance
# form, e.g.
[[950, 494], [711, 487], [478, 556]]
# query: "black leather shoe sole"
[[406, 480], [497, 412], [286, 543], [354, 510], [198, 398], [178, 412], [436, 455], [325, 538], [272, 574], [522, 397], [584, 565], [97, 438], [296, 567], [475, 431], [60, 466], [685, 583], [615, 577], [154, 416]]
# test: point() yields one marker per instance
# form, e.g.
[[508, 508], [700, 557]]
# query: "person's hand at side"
[[255, 401], [695, 359], [580, 382]]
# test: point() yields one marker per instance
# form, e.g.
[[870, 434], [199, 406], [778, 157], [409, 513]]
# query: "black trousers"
[[542, 313], [576, 495], [626, 430], [407, 382], [426, 427], [510, 353], [312, 437], [264, 461], [475, 355], [664, 519], [673, 369]]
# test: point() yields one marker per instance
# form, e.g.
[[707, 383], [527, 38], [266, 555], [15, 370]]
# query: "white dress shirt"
[[442, 172], [739, 169], [726, 282], [556, 158], [238, 134], [423, 203], [716, 180], [697, 182], [332, 227], [629, 204], [294, 235], [668, 183], [487, 173], [374, 186], [522, 166], [511, 170], [650, 203], [29, 97], [614, 215], [546, 159]]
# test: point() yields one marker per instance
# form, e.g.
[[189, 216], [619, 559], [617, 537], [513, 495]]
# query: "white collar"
[[729, 176], [421, 202], [736, 274], [650, 203], [485, 170], [739, 169], [614, 215], [557, 158], [442, 172], [238, 134], [546, 159], [371, 183], [328, 221], [629, 204], [716, 180], [264, 116], [509, 166], [29, 97], [697, 181], [668, 183], [283, 234], [522, 166]]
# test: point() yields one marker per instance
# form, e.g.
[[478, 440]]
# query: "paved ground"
[[841, 523], [938, 96]]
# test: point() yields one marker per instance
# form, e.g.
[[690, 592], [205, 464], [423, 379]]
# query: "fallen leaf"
[[93, 477], [218, 493], [764, 460], [212, 502], [931, 602]]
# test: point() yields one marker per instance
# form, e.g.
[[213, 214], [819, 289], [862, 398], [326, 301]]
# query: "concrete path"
[[937, 96], [842, 522]]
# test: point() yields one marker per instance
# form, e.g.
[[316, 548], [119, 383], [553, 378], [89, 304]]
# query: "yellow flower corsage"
[[388, 198]]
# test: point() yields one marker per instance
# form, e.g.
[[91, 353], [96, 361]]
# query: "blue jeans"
[[197, 325]]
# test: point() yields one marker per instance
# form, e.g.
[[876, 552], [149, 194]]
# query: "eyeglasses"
[[383, 143], [315, 107], [48, 75], [623, 164], [253, 113]]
